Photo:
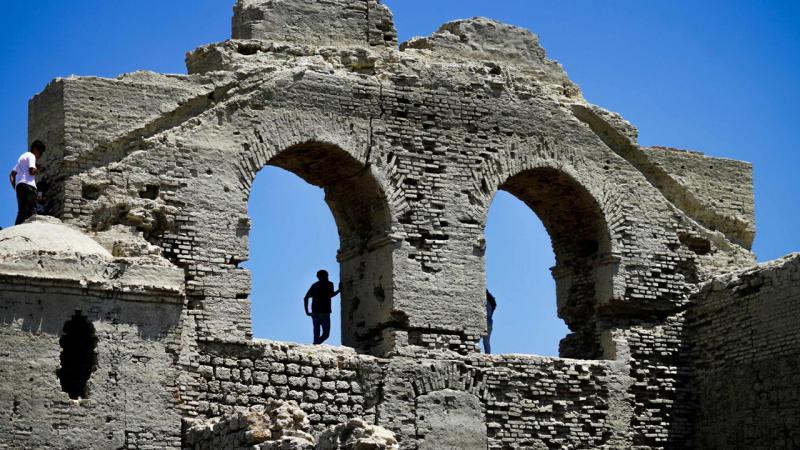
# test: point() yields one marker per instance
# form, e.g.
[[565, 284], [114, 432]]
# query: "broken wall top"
[[315, 22], [340, 36], [44, 250]]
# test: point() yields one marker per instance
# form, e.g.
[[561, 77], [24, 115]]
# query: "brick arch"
[[581, 241], [352, 191], [358, 203]]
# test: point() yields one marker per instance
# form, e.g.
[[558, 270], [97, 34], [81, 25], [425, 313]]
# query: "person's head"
[[38, 148], [322, 275]]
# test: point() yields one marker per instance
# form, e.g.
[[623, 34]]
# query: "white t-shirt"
[[24, 164]]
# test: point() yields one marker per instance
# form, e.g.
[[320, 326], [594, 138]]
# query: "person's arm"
[[32, 165], [337, 291], [305, 302], [13, 176]]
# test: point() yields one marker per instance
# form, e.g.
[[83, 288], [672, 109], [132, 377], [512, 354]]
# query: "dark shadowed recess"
[[78, 356]]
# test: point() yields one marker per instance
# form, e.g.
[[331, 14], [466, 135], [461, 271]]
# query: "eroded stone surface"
[[357, 435], [277, 425], [451, 419], [315, 22], [151, 175], [47, 234]]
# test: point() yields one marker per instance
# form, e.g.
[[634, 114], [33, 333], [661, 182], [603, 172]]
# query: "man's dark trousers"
[[26, 202], [322, 327]]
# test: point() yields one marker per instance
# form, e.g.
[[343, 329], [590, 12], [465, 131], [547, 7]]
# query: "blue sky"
[[716, 76]]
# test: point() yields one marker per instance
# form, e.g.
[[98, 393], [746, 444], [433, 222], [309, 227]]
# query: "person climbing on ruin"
[[23, 180], [320, 294], [491, 305]]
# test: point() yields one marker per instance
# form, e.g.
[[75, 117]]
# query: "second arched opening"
[[580, 244], [359, 210]]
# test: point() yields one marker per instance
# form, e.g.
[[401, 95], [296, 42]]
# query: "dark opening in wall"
[[90, 192], [78, 356], [697, 244], [150, 192]]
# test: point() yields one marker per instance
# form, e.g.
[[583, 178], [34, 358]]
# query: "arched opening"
[[292, 235], [357, 207], [519, 257], [78, 356], [581, 246]]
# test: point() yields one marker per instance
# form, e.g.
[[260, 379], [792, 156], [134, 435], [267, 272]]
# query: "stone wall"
[[275, 425], [327, 384], [430, 399], [337, 23], [410, 145], [661, 389], [131, 392], [86, 121], [746, 358], [721, 185], [433, 151]]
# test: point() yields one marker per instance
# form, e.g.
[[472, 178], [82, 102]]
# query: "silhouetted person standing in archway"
[[491, 305], [320, 294], [23, 180]]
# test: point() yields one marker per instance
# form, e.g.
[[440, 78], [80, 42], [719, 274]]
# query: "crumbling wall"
[[91, 121], [429, 400], [325, 23], [722, 185], [411, 145], [330, 385], [746, 358], [661, 390], [438, 131], [274, 425], [282, 425], [131, 392]]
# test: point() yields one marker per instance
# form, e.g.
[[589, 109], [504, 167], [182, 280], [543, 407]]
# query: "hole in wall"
[[697, 244], [247, 49], [90, 192], [78, 356], [150, 192]]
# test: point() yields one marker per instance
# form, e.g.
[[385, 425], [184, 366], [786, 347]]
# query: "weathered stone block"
[[329, 23]]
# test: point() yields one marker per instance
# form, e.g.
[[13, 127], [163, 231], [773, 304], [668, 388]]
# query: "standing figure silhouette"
[[491, 305], [320, 294]]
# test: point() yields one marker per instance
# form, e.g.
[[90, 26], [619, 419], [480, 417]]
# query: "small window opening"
[[78, 356], [90, 192], [150, 192]]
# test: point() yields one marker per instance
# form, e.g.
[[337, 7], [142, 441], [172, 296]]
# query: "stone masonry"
[[125, 317]]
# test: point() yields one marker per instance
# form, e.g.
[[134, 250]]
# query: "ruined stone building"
[[125, 316]]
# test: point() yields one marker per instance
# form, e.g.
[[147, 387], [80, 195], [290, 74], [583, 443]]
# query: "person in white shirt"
[[23, 180]]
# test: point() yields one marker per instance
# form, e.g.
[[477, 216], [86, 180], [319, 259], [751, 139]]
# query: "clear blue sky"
[[716, 76]]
